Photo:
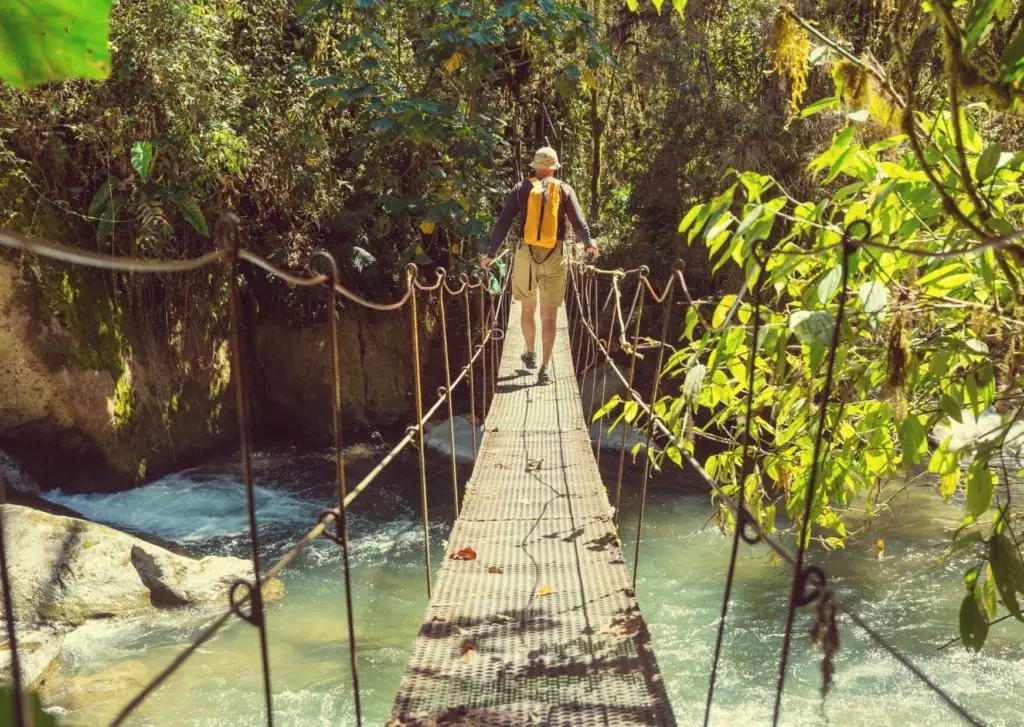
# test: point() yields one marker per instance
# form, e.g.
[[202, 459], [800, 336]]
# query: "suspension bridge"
[[533, 618]]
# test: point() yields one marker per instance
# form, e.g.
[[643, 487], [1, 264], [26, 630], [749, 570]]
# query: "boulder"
[[38, 649], [65, 571], [438, 438]]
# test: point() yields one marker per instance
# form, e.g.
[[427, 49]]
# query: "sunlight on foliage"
[[790, 48]]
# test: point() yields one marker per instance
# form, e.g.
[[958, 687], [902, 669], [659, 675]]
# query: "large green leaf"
[[973, 624], [874, 299], [142, 158], [1013, 59], [50, 40], [978, 20], [193, 215], [812, 327], [988, 162], [1005, 565], [979, 488]]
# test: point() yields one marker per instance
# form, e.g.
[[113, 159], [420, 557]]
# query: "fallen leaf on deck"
[[496, 569], [465, 554], [532, 465], [545, 590], [624, 626], [469, 654]]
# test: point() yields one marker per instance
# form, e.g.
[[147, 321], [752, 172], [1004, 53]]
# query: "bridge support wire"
[[760, 536], [667, 315], [469, 366], [447, 387], [740, 508], [341, 518], [227, 233], [629, 386], [421, 445]]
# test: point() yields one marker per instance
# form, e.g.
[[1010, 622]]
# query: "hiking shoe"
[[529, 359], [543, 377]]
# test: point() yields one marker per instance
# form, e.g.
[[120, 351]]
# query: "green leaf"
[[693, 383], [50, 40], [1013, 58], [813, 328], [830, 284], [965, 541], [1005, 562], [979, 488], [383, 124], [912, 440], [611, 404], [658, 4], [721, 311], [142, 158], [978, 20], [988, 162], [973, 624], [951, 408], [941, 281], [100, 199], [874, 299], [193, 215], [633, 5], [680, 6]]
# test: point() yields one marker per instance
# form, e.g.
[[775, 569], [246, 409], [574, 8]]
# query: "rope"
[[339, 464]]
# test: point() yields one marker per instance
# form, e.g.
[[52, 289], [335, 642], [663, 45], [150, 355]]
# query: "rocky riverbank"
[[67, 572]]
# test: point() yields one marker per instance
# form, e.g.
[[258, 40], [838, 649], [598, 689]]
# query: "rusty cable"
[[417, 384], [341, 536], [227, 237]]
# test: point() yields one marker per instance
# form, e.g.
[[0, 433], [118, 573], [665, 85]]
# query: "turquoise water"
[[909, 596]]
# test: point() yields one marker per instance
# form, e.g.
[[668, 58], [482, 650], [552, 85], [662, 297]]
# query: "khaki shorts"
[[546, 279]]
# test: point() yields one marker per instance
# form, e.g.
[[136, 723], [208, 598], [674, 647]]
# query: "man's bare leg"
[[529, 324], [548, 321]]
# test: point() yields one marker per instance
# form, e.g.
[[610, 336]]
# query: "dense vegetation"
[[389, 131]]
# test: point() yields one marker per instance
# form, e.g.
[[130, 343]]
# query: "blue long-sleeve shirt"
[[515, 205]]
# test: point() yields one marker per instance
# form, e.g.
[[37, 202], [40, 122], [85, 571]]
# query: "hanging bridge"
[[533, 618]]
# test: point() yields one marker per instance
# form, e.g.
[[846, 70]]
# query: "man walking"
[[540, 267]]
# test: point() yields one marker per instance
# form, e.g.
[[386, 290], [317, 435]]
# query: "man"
[[539, 267]]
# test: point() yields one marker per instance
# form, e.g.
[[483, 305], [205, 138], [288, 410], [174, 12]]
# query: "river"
[[909, 595]]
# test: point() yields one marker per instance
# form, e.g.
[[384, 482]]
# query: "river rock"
[[38, 649], [66, 570], [438, 438]]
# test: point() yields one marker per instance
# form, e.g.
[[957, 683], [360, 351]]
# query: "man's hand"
[[593, 252], [486, 262]]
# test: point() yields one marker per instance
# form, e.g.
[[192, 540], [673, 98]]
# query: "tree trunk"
[[596, 129]]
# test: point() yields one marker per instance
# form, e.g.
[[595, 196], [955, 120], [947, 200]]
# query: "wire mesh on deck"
[[541, 625]]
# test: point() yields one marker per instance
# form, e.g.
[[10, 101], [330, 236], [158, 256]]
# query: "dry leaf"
[[454, 62], [465, 554], [495, 569], [624, 626], [469, 653], [545, 590]]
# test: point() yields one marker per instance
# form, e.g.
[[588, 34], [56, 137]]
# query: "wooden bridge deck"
[[542, 627]]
